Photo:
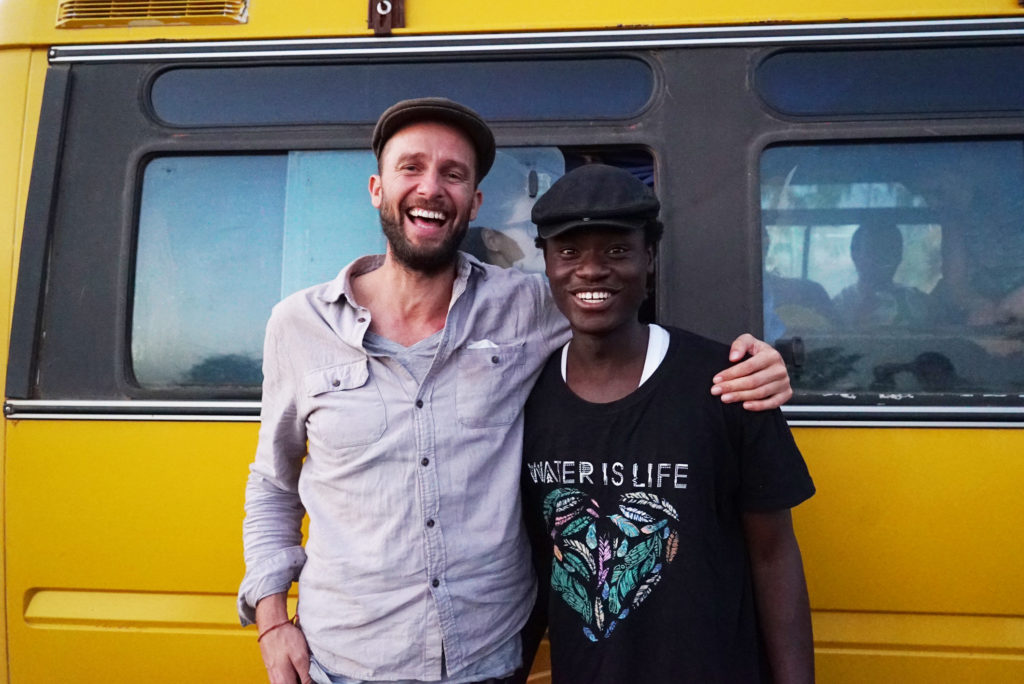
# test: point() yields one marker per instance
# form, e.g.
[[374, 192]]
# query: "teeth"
[[593, 296], [417, 212]]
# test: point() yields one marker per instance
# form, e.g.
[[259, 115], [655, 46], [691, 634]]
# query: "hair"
[[653, 230]]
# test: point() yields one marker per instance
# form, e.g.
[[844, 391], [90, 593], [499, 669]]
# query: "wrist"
[[271, 610], [270, 629]]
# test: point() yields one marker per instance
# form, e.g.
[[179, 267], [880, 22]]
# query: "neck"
[[406, 306], [604, 368]]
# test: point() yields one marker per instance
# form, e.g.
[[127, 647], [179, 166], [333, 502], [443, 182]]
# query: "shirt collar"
[[466, 266]]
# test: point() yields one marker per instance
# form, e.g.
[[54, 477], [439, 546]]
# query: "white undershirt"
[[657, 347]]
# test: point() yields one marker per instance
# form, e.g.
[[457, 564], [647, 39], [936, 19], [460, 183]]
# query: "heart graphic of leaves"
[[605, 566]]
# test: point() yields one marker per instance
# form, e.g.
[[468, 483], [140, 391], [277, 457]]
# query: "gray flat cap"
[[406, 112]]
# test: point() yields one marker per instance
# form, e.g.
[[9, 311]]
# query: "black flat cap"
[[406, 112], [594, 195]]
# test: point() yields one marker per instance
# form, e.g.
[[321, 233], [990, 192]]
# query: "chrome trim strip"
[[85, 409], [139, 417], [923, 424], [930, 410], [546, 40], [684, 30], [131, 404], [248, 411]]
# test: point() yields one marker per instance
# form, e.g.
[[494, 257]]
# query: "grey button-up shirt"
[[415, 536]]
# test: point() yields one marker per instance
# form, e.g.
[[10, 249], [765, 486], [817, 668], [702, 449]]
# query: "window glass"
[[898, 268], [501, 90], [894, 81], [222, 238]]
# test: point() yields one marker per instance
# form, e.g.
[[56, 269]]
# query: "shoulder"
[[510, 286], [697, 349], [498, 277], [299, 305], [847, 295]]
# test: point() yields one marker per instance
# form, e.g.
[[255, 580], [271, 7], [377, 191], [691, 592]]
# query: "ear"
[[478, 198], [650, 259], [499, 243], [376, 191]]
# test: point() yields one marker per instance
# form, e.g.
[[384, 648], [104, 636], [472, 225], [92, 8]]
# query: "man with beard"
[[392, 416]]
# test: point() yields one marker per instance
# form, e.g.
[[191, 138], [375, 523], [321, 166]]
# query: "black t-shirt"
[[634, 510]]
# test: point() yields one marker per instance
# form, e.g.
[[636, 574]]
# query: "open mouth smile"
[[429, 216], [592, 296]]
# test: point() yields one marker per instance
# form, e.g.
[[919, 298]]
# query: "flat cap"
[[406, 112], [595, 195]]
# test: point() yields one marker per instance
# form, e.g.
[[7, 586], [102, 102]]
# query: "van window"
[[222, 238], [500, 90], [898, 268], [900, 81]]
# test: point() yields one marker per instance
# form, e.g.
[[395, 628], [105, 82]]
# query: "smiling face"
[[598, 277], [426, 193]]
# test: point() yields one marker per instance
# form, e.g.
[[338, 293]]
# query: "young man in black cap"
[[392, 415], [659, 517]]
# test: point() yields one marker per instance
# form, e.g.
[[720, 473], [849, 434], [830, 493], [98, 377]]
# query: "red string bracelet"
[[268, 630]]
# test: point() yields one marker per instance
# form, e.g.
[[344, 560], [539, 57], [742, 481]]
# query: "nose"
[[429, 184], [592, 265]]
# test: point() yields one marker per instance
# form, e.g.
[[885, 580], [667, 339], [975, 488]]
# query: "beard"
[[428, 260]]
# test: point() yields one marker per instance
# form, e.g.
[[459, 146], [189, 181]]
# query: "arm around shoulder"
[[761, 381]]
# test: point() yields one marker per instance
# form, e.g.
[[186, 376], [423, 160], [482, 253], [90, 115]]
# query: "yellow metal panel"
[[125, 551], [33, 21], [916, 667], [14, 84], [124, 543], [914, 520]]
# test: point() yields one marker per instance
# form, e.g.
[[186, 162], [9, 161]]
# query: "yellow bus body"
[[121, 539]]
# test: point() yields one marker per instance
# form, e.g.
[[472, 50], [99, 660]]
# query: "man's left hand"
[[760, 382]]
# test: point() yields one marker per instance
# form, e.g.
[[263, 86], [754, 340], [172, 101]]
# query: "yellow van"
[[169, 170]]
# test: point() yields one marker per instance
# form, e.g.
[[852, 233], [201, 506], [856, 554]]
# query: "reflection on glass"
[[208, 268], [503, 233], [899, 267], [222, 238]]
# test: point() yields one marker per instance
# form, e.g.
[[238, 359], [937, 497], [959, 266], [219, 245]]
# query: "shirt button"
[[435, 583], [419, 403], [361, 319], [335, 383], [430, 523], [425, 462], [494, 359]]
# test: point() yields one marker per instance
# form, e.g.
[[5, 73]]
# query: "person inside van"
[[793, 305], [979, 209], [876, 299], [659, 518], [392, 416]]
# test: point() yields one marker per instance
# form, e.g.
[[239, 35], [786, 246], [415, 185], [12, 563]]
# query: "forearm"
[[273, 519], [271, 610], [781, 595], [272, 538]]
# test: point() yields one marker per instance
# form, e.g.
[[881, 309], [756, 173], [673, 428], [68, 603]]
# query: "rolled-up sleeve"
[[272, 530]]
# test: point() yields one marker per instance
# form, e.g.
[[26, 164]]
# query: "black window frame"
[[706, 139]]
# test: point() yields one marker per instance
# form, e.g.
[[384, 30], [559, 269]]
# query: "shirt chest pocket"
[[490, 388], [347, 408]]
